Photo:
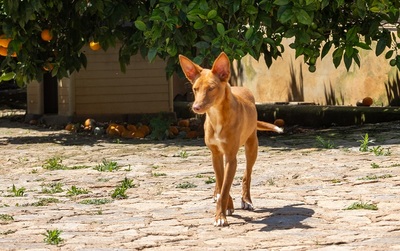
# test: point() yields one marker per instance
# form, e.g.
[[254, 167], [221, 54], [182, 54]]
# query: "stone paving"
[[300, 190]]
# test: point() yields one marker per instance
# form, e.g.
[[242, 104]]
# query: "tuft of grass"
[[119, 193], [362, 205], [74, 191], [375, 166], [77, 167], [210, 180], [154, 174], [17, 192], [6, 217], [52, 237], [327, 144], [183, 154], [185, 185], [107, 166], [375, 177], [96, 201], [52, 188], [127, 183], [43, 202], [380, 151], [364, 143], [54, 163]]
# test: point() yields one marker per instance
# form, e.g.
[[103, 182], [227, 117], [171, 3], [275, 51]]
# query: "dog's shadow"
[[287, 217]]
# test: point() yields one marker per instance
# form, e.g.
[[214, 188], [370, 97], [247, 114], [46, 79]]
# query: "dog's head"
[[209, 85]]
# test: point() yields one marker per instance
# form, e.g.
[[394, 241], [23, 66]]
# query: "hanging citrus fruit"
[[4, 41], [94, 46], [48, 66], [3, 51], [46, 35]]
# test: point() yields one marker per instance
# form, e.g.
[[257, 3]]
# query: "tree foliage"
[[199, 29]]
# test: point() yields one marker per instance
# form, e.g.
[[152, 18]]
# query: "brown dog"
[[231, 122]]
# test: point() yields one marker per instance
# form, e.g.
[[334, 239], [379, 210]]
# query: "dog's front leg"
[[225, 203]]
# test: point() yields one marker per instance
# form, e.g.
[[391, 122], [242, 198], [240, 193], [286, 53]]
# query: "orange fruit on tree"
[[48, 66], [94, 46], [4, 41], [46, 35], [3, 51]]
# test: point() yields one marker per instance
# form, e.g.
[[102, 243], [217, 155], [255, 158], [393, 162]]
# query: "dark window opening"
[[50, 94]]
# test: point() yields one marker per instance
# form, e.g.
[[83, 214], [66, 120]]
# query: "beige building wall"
[[103, 89], [288, 79]]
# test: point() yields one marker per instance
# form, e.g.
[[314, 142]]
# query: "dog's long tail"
[[265, 126]]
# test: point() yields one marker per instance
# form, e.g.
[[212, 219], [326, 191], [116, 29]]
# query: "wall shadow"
[[296, 86], [330, 96], [287, 217], [392, 87]]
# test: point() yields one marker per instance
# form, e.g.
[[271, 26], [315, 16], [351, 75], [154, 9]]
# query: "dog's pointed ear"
[[191, 70], [222, 67]]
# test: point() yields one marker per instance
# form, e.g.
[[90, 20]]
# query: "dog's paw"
[[247, 205], [216, 197], [221, 222]]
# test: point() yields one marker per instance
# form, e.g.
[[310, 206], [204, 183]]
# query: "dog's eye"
[[211, 88]]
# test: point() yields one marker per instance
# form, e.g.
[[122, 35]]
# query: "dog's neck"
[[223, 109]]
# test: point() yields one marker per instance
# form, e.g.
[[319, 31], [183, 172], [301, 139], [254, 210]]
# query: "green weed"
[[74, 191], [327, 144], [52, 237], [380, 151], [375, 177], [186, 185], [52, 188], [127, 183], [6, 217], [364, 143], [362, 205], [96, 201], [183, 154], [54, 163], [43, 202], [154, 174], [17, 192], [107, 166], [375, 166], [210, 180], [119, 193]]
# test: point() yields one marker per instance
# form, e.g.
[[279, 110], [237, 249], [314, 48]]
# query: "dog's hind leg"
[[251, 148]]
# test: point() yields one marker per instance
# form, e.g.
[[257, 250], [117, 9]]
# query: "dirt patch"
[[302, 184]]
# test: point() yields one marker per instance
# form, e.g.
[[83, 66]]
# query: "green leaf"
[[363, 46], [202, 45], [140, 25], [347, 62], [380, 46], [249, 32], [7, 76], [281, 2], [326, 48], [198, 25], [303, 17], [286, 15], [151, 55], [389, 54], [212, 14], [221, 29], [251, 10]]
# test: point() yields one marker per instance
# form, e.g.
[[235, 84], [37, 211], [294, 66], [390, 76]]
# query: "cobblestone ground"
[[300, 188]]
